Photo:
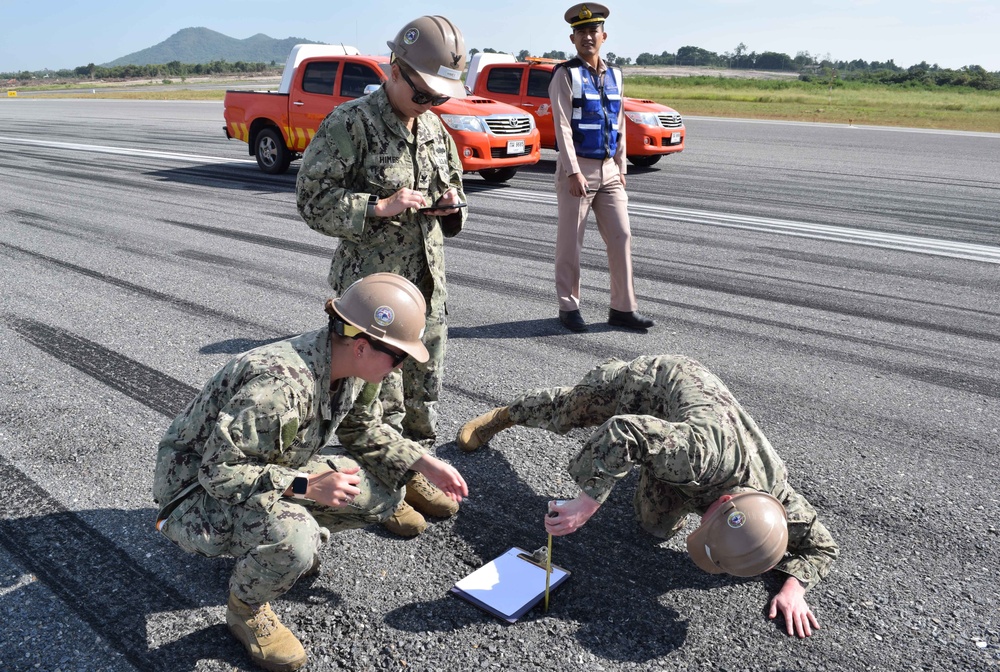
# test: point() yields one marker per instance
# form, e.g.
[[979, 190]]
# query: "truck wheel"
[[272, 155], [644, 161], [497, 175]]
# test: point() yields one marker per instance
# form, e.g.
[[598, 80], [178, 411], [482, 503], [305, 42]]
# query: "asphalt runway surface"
[[842, 281]]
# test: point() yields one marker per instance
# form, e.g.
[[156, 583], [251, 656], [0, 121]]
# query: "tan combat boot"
[[405, 522], [475, 433], [269, 643], [423, 496]]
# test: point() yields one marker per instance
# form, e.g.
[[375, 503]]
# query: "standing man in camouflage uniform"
[[373, 164], [240, 471], [590, 170], [698, 452]]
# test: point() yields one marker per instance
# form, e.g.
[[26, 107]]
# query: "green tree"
[[696, 56], [523, 55], [771, 60], [803, 59]]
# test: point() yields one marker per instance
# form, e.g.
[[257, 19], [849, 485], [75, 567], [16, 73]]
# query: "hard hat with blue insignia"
[[435, 48], [383, 306], [745, 536]]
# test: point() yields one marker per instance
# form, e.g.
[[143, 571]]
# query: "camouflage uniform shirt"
[[263, 416], [691, 437], [362, 148]]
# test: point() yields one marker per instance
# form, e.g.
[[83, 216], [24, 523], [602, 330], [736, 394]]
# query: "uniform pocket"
[[200, 524]]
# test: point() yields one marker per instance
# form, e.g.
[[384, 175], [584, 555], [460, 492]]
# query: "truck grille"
[[501, 152], [670, 120], [509, 124]]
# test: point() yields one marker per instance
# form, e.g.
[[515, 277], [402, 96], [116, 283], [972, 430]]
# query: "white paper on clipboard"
[[509, 585]]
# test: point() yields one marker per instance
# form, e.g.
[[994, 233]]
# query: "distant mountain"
[[201, 45]]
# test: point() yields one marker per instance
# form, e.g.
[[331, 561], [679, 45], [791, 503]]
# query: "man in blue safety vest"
[[590, 171]]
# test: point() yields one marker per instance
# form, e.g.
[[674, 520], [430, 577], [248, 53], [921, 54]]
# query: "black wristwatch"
[[299, 485], [370, 209]]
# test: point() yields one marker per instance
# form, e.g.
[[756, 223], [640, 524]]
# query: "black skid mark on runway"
[[187, 306], [257, 239], [26, 216], [99, 582], [148, 386]]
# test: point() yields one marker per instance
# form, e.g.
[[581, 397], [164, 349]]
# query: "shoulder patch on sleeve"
[[289, 430], [368, 393]]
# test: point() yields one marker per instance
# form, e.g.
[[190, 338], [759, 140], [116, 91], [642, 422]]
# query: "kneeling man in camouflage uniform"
[[246, 469], [698, 452]]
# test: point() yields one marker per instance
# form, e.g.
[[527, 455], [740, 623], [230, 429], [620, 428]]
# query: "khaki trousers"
[[608, 200]]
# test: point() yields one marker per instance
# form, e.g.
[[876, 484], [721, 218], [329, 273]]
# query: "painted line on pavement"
[[125, 151], [892, 241], [881, 239]]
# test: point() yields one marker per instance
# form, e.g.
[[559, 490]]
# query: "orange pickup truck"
[[493, 139], [652, 130]]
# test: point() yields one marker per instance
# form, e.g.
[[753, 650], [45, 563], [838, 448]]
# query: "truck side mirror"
[[371, 88]]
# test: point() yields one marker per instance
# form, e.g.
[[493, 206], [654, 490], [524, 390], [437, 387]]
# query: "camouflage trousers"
[[410, 395], [660, 508], [560, 409], [274, 548]]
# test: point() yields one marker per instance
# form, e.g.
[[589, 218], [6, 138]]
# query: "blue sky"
[[952, 33]]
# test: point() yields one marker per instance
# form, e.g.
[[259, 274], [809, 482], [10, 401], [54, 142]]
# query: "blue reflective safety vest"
[[595, 110]]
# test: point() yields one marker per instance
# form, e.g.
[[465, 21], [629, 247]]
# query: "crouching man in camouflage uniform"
[[698, 452], [382, 175], [246, 469]]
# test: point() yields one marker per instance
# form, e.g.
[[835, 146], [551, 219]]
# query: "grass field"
[[786, 99], [140, 94], [844, 102]]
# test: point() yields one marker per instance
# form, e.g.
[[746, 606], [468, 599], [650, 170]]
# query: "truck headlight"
[[643, 118], [463, 122]]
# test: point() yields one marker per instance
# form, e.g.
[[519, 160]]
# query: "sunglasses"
[[397, 357], [422, 97]]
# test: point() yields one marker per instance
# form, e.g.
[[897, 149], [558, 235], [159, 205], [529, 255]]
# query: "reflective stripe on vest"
[[595, 112]]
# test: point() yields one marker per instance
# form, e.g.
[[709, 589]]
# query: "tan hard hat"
[[435, 48], [745, 536], [586, 13], [386, 307]]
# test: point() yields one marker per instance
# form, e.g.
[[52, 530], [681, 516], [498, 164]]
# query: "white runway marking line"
[[893, 241], [933, 246], [22, 581], [125, 151]]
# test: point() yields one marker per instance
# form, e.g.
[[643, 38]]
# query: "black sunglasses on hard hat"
[[341, 328], [422, 97], [397, 357]]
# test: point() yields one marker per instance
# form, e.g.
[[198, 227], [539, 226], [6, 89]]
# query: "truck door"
[[507, 84], [536, 99], [503, 83], [354, 78], [310, 100]]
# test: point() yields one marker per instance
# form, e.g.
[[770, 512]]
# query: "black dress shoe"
[[629, 319], [572, 320]]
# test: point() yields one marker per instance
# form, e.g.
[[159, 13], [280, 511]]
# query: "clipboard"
[[509, 586]]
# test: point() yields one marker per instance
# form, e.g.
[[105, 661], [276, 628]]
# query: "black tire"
[[272, 156], [644, 161], [497, 175]]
